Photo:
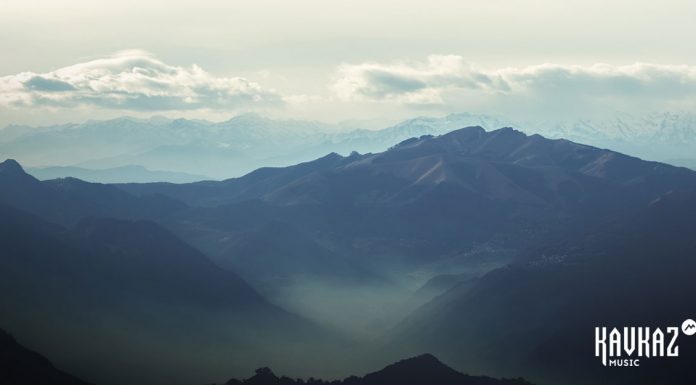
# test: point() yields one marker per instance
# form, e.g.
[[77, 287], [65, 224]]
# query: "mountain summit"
[[12, 172], [10, 166]]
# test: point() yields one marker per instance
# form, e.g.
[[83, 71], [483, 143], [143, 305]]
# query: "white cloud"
[[132, 80], [446, 79], [411, 83]]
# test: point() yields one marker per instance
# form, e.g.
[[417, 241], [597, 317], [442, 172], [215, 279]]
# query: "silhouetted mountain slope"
[[463, 203], [130, 293], [426, 369], [12, 171], [66, 201], [537, 317], [422, 205], [421, 370], [503, 164], [251, 186], [277, 250], [151, 256], [21, 366]]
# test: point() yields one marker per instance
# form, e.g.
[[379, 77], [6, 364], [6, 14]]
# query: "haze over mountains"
[[634, 270], [188, 150], [495, 250], [126, 293], [461, 203]]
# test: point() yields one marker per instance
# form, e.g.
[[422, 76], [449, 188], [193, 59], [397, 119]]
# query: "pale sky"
[[335, 60]]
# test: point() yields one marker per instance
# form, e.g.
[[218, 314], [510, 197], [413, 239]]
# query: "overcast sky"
[[338, 60]]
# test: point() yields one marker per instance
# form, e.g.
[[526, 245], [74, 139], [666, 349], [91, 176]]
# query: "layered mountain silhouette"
[[420, 370], [219, 150], [516, 246], [67, 200], [504, 165], [111, 292], [21, 366], [247, 142], [426, 202], [537, 317]]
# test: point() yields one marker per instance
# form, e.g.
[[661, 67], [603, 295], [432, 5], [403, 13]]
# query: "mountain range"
[[460, 203], [67, 200], [636, 269], [495, 250], [434, 196], [204, 150], [117, 292]]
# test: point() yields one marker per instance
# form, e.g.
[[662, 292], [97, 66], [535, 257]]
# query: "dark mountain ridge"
[[67, 200], [636, 270], [121, 292], [476, 160], [420, 370], [21, 366]]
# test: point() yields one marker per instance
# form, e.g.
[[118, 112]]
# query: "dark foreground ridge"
[[21, 366], [421, 370]]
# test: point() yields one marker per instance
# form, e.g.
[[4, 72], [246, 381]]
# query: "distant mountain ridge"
[[68, 200], [247, 142], [236, 146], [123, 174], [472, 158]]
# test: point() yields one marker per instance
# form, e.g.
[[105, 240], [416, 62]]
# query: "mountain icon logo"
[[689, 327]]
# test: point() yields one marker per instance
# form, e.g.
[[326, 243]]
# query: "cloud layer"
[[137, 81], [132, 80], [442, 79]]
